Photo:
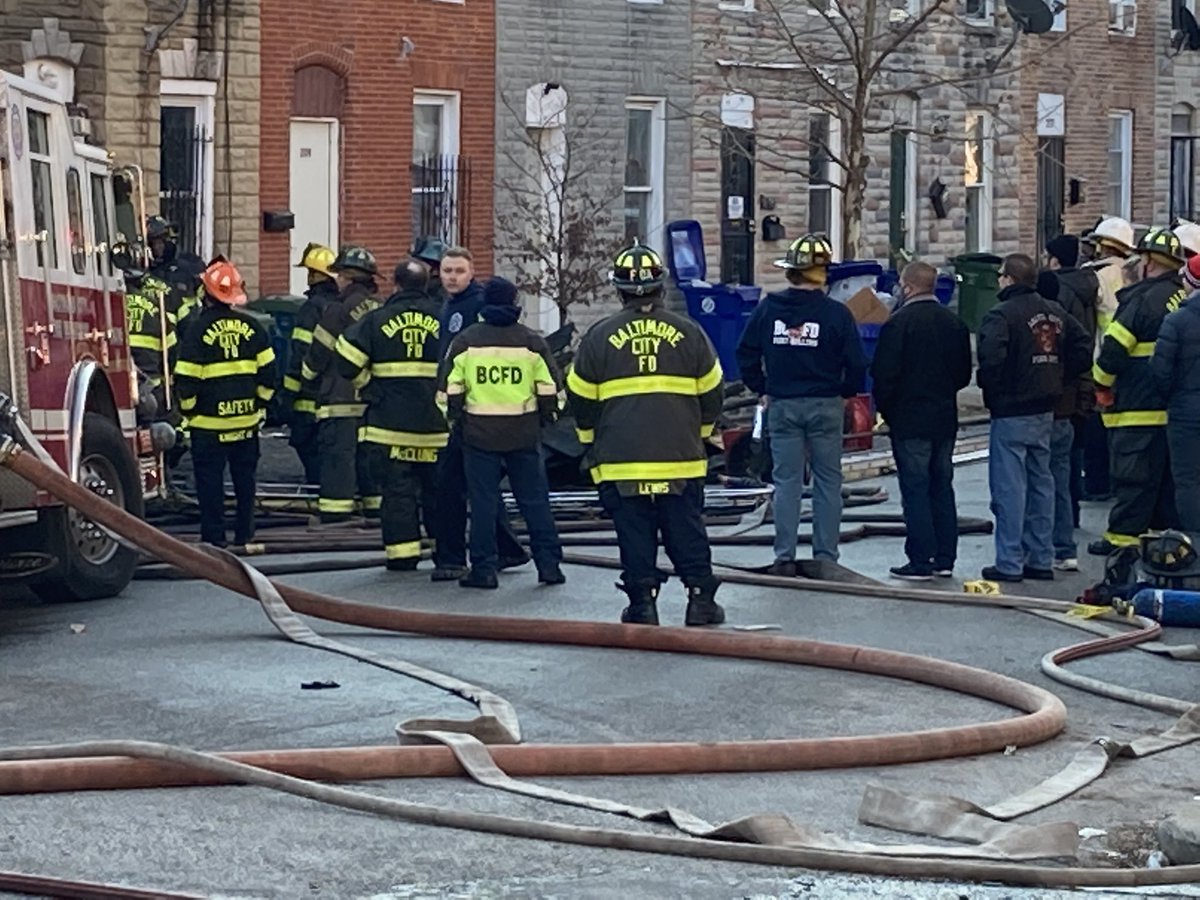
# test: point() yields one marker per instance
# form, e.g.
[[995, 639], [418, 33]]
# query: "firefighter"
[[151, 339], [430, 251], [299, 398], [160, 241], [1133, 409], [1113, 242], [225, 377], [339, 411], [646, 389], [392, 352], [501, 382]]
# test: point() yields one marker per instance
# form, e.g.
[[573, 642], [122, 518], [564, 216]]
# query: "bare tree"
[[555, 214]]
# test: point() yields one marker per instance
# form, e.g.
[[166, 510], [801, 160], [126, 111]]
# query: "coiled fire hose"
[[56, 768]]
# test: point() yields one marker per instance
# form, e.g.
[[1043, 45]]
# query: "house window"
[[1120, 163], [75, 220], [186, 162], [822, 189], [43, 188], [736, 5], [977, 178], [440, 179], [1122, 16], [978, 11], [645, 152], [1183, 166]]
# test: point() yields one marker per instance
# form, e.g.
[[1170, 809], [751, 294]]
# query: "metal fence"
[[441, 198], [185, 148]]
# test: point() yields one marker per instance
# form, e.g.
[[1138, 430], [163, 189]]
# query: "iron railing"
[[184, 157], [441, 198]]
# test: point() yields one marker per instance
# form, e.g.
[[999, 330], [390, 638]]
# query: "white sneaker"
[[1071, 564], [944, 573]]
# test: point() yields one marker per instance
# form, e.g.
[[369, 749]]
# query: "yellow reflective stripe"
[[335, 506], [650, 384], [547, 389], [264, 392], [291, 383], [407, 550], [1121, 335], [225, 423], [305, 406], [501, 409], [405, 370], [1142, 350], [341, 411], [586, 435], [303, 335], [650, 471], [265, 358], [217, 370], [373, 434], [186, 403], [351, 353], [307, 372], [323, 337], [711, 380], [455, 388], [145, 342], [172, 340], [1103, 320], [1134, 418], [372, 503], [360, 380], [1121, 540], [706, 430], [584, 389], [1102, 378]]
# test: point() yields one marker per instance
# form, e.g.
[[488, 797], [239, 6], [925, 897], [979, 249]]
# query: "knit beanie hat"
[[499, 292], [1047, 285], [1064, 248]]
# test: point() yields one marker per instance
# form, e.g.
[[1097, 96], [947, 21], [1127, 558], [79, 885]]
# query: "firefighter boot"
[[642, 596], [702, 609]]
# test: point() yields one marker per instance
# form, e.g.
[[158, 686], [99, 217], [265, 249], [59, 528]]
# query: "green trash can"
[[978, 277]]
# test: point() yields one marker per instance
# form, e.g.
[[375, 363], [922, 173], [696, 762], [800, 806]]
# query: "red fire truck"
[[64, 358]]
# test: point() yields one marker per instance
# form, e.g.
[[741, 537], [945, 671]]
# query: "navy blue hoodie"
[[460, 311], [799, 343]]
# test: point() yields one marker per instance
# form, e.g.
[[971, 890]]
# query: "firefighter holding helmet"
[[646, 389], [224, 379], [1131, 404]]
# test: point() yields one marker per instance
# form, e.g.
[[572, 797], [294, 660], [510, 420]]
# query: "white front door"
[[314, 189]]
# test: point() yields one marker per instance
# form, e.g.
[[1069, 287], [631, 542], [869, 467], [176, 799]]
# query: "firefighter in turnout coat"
[[646, 389], [392, 355]]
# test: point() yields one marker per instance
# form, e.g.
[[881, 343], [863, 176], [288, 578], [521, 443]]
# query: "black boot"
[[702, 609], [642, 596]]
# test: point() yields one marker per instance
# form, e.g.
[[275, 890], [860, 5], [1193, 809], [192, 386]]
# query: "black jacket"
[[319, 297], [1129, 343], [459, 312], [922, 361], [225, 375], [336, 396], [646, 389], [1078, 294], [1176, 362], [1029, 350], [391, 354], [800, 343]]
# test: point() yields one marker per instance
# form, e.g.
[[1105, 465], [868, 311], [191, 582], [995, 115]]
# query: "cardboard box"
[[867, 308]]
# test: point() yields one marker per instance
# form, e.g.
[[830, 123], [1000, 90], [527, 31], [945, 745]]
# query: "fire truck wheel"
[[93, 565]]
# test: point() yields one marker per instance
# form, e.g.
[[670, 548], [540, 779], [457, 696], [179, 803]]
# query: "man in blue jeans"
[[801, 351], [916, 392], [1029, 349]]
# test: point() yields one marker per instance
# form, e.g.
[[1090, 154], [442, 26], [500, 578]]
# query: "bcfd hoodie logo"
[[807, 334]]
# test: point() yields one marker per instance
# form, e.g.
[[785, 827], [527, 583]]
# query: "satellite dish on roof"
[[1032, 16]]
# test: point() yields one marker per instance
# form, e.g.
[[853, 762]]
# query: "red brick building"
[[381, 129]]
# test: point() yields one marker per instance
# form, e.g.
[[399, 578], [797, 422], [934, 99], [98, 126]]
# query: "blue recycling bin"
[[845, 279], [721, 309]]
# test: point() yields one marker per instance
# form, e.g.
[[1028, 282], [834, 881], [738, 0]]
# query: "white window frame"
[[1184, 135], [202, 97], [986, 185], [1060, 17], [1122, 17], [736, 5], [656, 208], [987, 16], [58, 230], [834, 185], [1125, 117], [450, 138]]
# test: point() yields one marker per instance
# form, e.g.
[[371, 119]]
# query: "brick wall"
[[1178, 88], [454, 49], [601, 53]]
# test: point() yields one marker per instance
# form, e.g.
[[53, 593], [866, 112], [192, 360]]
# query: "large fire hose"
[[1044, 717]]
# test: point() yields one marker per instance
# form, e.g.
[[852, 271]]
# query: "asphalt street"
[[188, 663]]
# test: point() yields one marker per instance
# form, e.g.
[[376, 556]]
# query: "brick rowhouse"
[[363, 70]]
